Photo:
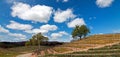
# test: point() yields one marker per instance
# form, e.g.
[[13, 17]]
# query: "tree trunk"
[[38, 44], [84, 35], [80, 37]]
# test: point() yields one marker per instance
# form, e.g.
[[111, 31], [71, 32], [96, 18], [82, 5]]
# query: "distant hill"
[[11, 44], [91, 42], [17, 44]]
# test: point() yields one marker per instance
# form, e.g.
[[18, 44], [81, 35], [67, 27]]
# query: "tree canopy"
[[36, 39], [80, 31]]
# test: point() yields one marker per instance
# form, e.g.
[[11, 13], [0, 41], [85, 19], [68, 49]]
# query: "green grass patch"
[[12, 52]]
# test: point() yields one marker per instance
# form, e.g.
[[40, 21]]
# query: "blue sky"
[[20, 19]]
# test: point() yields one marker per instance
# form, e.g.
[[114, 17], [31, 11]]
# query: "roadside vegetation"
[[14, 51]]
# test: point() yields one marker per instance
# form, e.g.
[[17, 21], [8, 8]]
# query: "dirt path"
[[97, 46], [27, 55]]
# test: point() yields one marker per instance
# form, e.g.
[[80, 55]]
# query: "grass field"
[[12, 52]]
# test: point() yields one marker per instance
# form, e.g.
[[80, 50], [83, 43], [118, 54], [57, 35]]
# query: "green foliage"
[[27, 43], [39, 37], [76, 31], [84, 30], [80, 31], [15, 51], [36, 39]]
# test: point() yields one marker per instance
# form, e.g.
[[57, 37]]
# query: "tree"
[[38, 38], [27, 43], [76, 32], [80, 31], [84, 30]]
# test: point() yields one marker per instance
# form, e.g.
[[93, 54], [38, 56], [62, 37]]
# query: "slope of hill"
[[92, 42], [107, 51]]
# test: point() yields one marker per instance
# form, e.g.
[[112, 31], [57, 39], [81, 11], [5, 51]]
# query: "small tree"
[[76, 32], [27, 43], [84, 30], [80, 31], [38, 38]]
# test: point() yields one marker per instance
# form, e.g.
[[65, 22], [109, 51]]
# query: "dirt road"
[[27, 55]]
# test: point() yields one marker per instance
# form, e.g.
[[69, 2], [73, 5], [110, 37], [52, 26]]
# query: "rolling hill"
[[91, 42], [107, 51]]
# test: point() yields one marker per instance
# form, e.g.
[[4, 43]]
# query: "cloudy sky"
[[20, 19]]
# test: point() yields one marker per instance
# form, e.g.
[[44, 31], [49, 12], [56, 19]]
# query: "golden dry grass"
[[92, 41]]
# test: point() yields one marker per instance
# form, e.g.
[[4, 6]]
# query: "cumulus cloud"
[[17, 35], [104, 3], [61, 16], [3, 30], [62, 0], [48, 27], [18, 26], [43, 29], [77, 21], [58, 35], [34, 31], [14, 35], [65, 0], [37, 13]]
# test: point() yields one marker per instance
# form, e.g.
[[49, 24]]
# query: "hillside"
[[91, 42], [107, 51]]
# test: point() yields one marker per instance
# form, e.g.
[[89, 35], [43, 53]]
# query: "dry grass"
[[62, 49], [92, 41], [106, 41]]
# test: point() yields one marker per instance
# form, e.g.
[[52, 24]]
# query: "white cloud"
[[36, 31], [18, 26], [48, 27], [61, 16], [13, 35], [43, 29], [21, 36], [58, 35], [65, 0], [3, 30], [62, 0], [77, 21], [37, 13], [104, 3], [63, 33]]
